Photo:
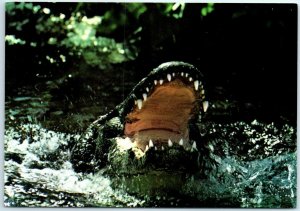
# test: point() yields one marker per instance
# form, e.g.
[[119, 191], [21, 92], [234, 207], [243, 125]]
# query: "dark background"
[[247, 53]]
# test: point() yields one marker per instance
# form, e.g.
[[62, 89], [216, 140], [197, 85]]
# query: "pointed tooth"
[[205, 106], [147, 148], [202, 91], [194, 146], [170, 143], [169, 77], [190, 79], [155, 148], [145, 96], [173, 74], [139, 103], [162, 148], [150, 143], [186, 75], [147, 89], [196, 84], [161, 81], [181, 142], [155, 82], [182, 73]]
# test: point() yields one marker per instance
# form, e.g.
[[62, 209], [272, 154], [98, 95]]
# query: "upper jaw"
[[167, 73]]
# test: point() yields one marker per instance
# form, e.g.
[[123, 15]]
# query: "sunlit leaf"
[[204, 11]]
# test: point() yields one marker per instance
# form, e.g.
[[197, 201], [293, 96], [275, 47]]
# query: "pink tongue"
[[162, 116]]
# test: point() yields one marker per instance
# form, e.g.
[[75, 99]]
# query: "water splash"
[[38, 172]]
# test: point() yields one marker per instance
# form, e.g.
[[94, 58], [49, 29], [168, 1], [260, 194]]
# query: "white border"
[[2, 90]]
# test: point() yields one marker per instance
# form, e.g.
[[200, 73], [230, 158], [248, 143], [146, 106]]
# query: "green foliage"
[[77, 33], [96, 50], [98, 36], [173, 9], [12, 40], [12, 8], [136, 9], [208, 9]]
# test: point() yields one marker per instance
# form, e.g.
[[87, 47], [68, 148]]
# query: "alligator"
[[156, 128], [161, 147]]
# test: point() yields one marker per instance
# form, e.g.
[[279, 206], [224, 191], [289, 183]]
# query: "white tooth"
[[146, 149], [205, 106], [190, 79], [202, 91], [186, 75], [181, 142], [161, 81], [170, 143], [194, 146], [155, 82], [200, 83], [196, 84], [145, 96], [147, 89], [155, 148], [169, 77], [173, 74], [151, 143], [162, 148], [139, 103], [182, 73]]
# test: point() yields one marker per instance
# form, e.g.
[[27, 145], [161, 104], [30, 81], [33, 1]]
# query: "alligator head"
[[165, 103], [155, 127]]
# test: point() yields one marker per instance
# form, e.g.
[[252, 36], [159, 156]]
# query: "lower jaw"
[[160, 139], [152, 183], [158, 173], [175, 159]]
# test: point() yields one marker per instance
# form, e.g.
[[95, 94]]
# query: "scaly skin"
[[105, 144]]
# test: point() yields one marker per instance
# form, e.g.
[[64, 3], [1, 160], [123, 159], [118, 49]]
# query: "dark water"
[[256, 159], [38, 173]]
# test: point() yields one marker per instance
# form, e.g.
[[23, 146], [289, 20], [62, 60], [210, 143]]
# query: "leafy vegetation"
[[72, 55], [81, 31]]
